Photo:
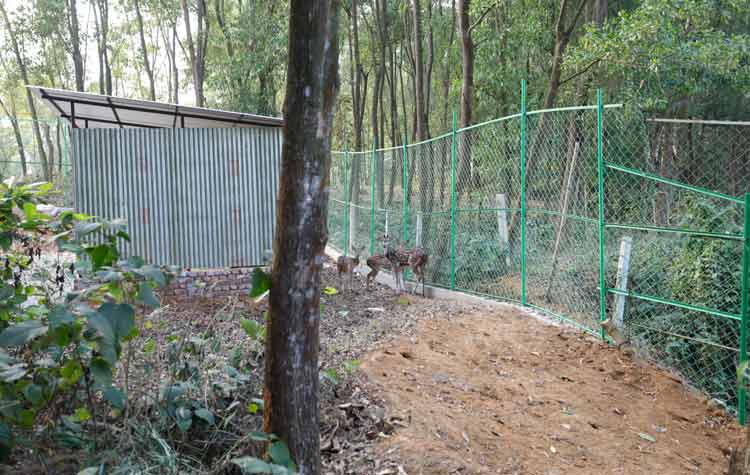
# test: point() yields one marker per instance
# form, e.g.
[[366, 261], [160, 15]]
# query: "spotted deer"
[[418, 261], [346, 265], [376, 262]]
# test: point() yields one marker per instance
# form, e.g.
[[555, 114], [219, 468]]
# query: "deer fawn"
[[346, 265]]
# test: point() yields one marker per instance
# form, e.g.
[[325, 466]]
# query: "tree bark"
[[101, 19], [197, 46], [144, 51], [29, 99], [75, 42], [419, 86], [291, 384], [467, 63], [11, 115]]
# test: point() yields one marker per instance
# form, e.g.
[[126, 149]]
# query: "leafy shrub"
[[58, 349]]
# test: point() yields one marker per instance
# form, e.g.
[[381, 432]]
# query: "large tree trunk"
[[197, 46], [75, 42], [291, 385], [11, 115], [29, 99], [144, 51], [467, 63], [101, 18], [419, 85]]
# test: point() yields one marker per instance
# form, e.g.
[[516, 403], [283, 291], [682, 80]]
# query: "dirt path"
[[501, 392]]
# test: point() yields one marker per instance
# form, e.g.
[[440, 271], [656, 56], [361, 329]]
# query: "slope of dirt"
[[501, 392]]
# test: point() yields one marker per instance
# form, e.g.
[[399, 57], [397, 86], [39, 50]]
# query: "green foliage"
[[696, 271], [674, 55], [261, 282], [62, 345]]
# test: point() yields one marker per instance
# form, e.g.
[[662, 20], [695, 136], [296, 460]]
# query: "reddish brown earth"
[[501, 392]]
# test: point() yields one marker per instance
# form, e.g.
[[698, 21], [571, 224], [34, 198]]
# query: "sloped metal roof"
[[86, 110]]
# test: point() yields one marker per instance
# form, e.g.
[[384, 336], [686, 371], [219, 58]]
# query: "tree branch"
[[578, 73], [482, 16], [575, 18]]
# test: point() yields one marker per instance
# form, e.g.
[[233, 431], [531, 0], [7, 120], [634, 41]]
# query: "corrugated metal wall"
[[200, 198]]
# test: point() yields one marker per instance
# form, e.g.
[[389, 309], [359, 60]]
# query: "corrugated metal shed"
[[88, 111], [200, 198]]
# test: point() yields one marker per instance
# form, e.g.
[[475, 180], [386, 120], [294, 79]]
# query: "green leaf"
[[115, 397], [331, 375], [149, 346], [81, 414], [29, 209], [21, 333], [279, 453], [251, 327], [252, 408], [6, 441], [33, 393], [102, 255], [184, 418], [101, 372], [60, 316], [82, 228], [646, 437], [121, 317], [136, 262], [205, 414], [252, 465], [71, 371], [155, 274], [261, 282], [102, 325], [330, 291], [146, 295]]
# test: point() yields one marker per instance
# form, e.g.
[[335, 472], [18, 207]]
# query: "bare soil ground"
[[501, 392], [444, 387]]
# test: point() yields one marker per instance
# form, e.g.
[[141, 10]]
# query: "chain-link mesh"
[[21, 154], [673, 248]]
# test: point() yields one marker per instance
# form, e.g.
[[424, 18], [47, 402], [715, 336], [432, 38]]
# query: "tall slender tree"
[[197, 45], [144, 51], [23, 71], [291, 386], [74, 33]]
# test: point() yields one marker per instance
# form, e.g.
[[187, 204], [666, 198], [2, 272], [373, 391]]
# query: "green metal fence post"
[[406, 193], [600, 175], [523, 192], [742, 402], [453, 203], [373, 169], [347, 197]]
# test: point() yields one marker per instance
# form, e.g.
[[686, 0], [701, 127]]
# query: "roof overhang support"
[[114, 111]]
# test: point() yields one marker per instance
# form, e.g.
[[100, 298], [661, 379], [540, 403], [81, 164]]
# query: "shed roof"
[[86, 110]]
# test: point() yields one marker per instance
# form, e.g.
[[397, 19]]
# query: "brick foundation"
[[210, 283]]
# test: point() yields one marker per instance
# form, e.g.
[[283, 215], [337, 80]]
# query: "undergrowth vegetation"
[[92, 379]]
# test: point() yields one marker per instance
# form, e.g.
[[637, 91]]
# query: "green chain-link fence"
[[583, 213], [21, 154]]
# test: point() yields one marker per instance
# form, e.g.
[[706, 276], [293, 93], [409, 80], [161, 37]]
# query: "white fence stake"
[[352, 229], [502, 225], [623, 266], [419, 230]]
